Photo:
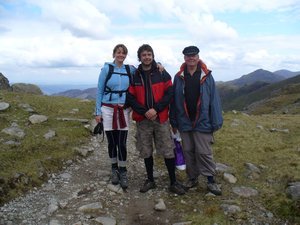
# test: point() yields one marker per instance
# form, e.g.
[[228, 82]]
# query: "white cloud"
[[80, 17], [245, 5], [72, 39]]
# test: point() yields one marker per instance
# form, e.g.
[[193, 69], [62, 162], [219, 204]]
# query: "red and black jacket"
[[162, 93]]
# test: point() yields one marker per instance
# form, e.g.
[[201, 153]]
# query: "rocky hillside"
[[254, 95], [19, 87], [4, 83], [38, 134]]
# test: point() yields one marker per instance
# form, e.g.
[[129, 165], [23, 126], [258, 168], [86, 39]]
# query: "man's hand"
[[160, 67], [151, 114]]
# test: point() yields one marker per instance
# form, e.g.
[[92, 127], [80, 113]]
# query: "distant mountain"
[[229, 93], [286, 73], [50, 89], [241, 94], [279, 95], [258, 75], [89, 93]]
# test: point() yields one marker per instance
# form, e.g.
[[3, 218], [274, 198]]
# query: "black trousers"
[[117, 149]]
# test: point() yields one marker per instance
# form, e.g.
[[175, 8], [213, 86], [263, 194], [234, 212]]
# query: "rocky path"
[[82, 194]]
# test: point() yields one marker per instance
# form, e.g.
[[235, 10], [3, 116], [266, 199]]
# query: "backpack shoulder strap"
[[110, 72], [128, 70], [127, 67]]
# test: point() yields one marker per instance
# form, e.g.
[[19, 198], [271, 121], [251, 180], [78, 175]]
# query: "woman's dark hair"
[[120, 46], [144, 47]]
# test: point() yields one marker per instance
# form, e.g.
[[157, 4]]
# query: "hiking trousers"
[[117, 149], [198, 155]]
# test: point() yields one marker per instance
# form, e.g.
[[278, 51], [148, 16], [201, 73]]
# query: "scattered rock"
[[230, 178], [183, 223], [84, 151], [74, 111], [160, 205], [106, 220], [10, 142], [53, 206], [14, 130], [74, 119], [37, 118], [55, 222], [50, 134], [237, 122], [293, 191], [4, 106], [245, 192], [90, 208], [230, 209], [280, 130], [220, 167], [260, 127], [26, 107], [115, 188]]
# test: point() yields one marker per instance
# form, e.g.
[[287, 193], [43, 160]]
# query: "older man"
[[196, 112]]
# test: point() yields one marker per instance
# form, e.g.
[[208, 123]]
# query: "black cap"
[[190, 50]]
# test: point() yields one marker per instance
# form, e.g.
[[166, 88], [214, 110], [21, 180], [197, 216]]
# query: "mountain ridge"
[[235, 94], [260, 75]]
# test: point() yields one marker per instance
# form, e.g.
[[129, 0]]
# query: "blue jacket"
[[209, 114], [116, 83]]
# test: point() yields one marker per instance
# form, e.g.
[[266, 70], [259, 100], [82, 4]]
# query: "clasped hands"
[[151, 114]]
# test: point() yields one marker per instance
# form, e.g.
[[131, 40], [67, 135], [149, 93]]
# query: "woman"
[[113, 83]]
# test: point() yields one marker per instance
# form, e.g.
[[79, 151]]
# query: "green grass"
[[34, 150], [279, 104], [277, 153]]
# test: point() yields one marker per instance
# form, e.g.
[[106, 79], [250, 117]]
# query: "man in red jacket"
[[149, 96]]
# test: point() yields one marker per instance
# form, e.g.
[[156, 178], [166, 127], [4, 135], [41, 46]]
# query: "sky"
[[68, 41]]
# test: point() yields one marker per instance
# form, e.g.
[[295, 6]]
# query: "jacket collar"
[[201, 65]]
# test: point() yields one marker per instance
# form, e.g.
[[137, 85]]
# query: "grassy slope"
[[35, 151], [278, 153]]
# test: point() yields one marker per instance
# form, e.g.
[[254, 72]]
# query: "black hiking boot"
[[123, 179], [115, 176], [147, 186], [177, 188]]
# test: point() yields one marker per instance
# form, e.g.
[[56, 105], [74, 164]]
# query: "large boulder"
[[26, 88], [4, 83]]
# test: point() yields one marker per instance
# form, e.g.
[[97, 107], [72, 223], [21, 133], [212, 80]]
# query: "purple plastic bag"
[[179, 158]]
